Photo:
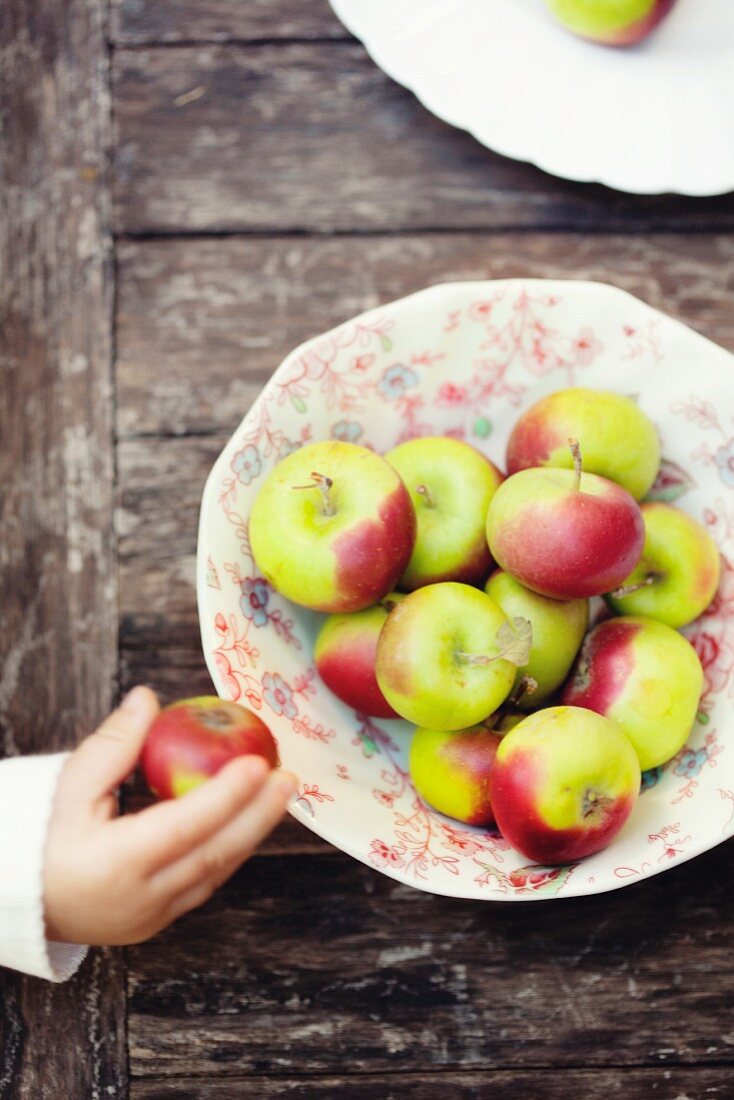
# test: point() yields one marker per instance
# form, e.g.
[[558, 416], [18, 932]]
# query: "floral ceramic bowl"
[[464, 359]]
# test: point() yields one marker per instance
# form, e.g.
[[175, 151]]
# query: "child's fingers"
[[213, 862], [106, 758], [163, 833]]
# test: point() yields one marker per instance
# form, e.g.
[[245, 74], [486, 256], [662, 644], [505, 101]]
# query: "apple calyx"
[[514, 640], [577, 462], [425, 492], [323, 484], [628, 589], [387, 604], [592, 802]]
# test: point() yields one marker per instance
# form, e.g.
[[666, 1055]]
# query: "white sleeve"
[[27, 788]]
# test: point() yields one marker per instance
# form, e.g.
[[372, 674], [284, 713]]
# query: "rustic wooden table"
[[191, 187]]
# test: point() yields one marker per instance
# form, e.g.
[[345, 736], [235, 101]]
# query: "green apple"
[[618, 441], [563, 783], [678, 574], [447, 656], [611, 22], [644, 676], [558, 628], [451, 485], [332, 527], [450, 771]]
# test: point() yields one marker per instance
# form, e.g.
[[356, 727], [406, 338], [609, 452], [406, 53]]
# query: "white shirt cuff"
[[27, 789]]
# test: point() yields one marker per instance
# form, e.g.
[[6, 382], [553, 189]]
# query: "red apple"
[[192, 739], [345, 651], [563, 783], [563, 533]]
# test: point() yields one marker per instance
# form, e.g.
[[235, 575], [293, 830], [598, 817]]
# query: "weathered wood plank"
[[201, 324], [136, 22], [298, 961], [58, 644], [598, 1084], [317, 138]]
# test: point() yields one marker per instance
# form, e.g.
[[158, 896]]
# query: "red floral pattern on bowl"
[[464, 359]]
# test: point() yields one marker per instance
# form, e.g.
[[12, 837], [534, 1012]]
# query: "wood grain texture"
[[58, 642], [600, 1084], [137, 22], [301, 964], [317, 138], [201, 324]]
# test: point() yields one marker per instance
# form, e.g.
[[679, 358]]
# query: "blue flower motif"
[[724, 459], [396, 380], [691, 763], [278, 695], [348, 431], [246, 464], [650, 778], [254, 600]]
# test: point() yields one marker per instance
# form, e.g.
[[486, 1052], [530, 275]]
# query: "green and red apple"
[[564, 533], [192, 739], [345, 652], [611, 22], [678, 574], [451, 485], [447, 656], [618, 441], [563, 783], [558, 628], [645, 677], [332, 527], [450, 771]]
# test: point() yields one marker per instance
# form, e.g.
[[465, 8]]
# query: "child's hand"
[[118, 880]]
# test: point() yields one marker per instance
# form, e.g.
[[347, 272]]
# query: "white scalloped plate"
[[465, 359], [652, 118]]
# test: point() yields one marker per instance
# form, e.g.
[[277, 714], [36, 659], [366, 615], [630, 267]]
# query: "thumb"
[[108, 756]]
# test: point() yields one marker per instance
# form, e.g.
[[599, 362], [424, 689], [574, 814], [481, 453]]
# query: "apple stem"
[[628, 589], [323, 484], [528, 686], [576, 455], [474, 658], [425, 492]]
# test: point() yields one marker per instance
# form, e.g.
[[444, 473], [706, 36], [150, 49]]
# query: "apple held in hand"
[[451, 485], [558, 628], [611, 22], [447, 656], [191, 740], [678, 574], [616, 438], [644, 676], [565, 534], [345, 653], [332, 527], [450, 771], [563, 783]]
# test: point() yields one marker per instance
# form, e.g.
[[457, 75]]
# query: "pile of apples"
[[458, 599]]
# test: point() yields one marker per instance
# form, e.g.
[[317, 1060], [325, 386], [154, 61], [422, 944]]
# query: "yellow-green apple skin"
[[336, 549], [611, 22], [451, 485], [563, 783], [429, 657], [558, 628], [682, 563], [344, 654], [617, 440], [562, 541], [450, 771], [644, 676]]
